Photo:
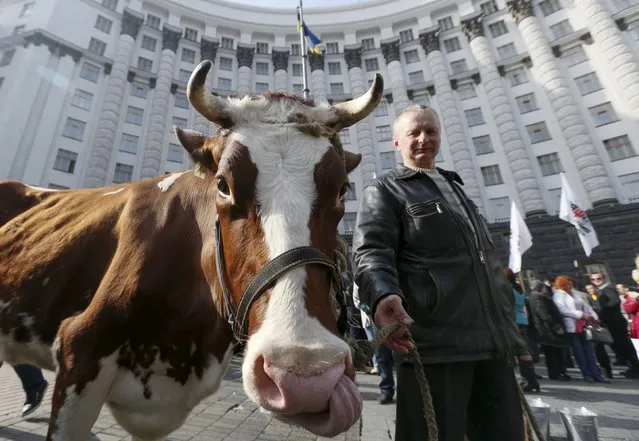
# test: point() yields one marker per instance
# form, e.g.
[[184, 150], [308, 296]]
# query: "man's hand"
[[390, 310]]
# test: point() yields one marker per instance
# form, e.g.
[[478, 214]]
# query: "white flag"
[[520, 238], [570, 211]]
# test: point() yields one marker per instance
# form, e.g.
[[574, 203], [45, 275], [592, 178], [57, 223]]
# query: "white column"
[[503, 114], [591, 170], [160, 104], [280, 68], [614, 49], [450, 118], [318, 76], [245, 68], [102, 149], [365, 143], [390, 50]]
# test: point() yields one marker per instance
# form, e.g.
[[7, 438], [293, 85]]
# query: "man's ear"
[[195, 143], [351, 160]]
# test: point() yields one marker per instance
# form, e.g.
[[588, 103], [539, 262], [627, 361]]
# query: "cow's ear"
[[351, 160], [198, 146]]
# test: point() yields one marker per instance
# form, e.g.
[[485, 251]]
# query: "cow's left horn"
[[210, 106], [355, 110]]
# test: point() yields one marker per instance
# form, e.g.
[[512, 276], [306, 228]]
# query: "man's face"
[[590, 289], [417, 138], [597, 279]]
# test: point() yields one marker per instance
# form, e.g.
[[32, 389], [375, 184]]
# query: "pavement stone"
[[230, 416]]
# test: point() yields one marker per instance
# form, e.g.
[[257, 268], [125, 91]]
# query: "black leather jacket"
[[409, 241]]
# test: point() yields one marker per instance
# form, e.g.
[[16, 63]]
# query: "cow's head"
[[278, 176]]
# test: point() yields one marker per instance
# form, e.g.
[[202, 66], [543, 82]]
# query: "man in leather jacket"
[[420, 247]]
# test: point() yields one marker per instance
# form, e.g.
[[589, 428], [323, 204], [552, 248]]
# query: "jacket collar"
[[403, 172]]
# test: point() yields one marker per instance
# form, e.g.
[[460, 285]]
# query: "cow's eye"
[[345, 189], [223, 187]]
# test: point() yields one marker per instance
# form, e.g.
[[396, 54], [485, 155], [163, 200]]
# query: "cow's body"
[[118, 290]]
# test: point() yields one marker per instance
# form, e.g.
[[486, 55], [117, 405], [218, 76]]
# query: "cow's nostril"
[[266, 386]]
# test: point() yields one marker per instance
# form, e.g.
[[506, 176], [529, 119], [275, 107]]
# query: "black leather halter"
[[238, 319]]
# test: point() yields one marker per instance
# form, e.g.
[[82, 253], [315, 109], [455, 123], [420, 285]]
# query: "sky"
[[284, 4]]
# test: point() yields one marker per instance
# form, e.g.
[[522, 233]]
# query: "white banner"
[[570, 211], [520, 238]]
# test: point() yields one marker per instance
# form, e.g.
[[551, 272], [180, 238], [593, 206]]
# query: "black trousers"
[[554, 360], [479, 399], [619, 332]]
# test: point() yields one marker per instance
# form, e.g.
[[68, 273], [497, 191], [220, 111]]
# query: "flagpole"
[[303, 49]]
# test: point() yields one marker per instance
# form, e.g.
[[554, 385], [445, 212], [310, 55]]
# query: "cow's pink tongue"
[[344, 409]]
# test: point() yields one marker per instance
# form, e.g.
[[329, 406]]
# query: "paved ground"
[[228, 416]]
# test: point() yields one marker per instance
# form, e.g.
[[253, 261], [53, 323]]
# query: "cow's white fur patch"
[[33, 187], [113, 192], [249, 111], [166, 183]]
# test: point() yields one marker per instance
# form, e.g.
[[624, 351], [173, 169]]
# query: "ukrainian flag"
[[312, 39]]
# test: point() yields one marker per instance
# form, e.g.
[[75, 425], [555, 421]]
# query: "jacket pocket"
[[431, 226], [425, 209]]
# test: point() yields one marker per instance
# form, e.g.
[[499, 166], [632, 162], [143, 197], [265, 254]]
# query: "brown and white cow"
[[117, 290]]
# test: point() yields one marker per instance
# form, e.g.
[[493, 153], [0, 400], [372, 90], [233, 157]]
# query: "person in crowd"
[[610, 315], [574, 308], [526, 365], [420, 245], [631, 306], [552, 332], [635, 273], [34, 386]]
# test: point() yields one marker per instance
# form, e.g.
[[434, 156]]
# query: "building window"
[[123, 173], [411, 56], [588, 83], [384, 133], [547, 7], [175, 153], [466, 91], [297, 89], [406, 36], [458, 66], [574, 55], [149, 43], [549, 164], [368, 44], [53, 186], [517, 76], [261, 68], [489, 7], [82, 99], [181, 101], [445, 23], [226, 43], [18, 30], [190, 34], [348, 222], [474, 117], [561, 29], [630, 184], [65, 161], [74, 129], [224, 83], [555, 199], [491, 175], [297, 69], [261, 47], [334, 68], [90, 72], [103, 24], [179, 122], [506, 51], [1, 82], [129, 143], [97, 47], [603, 114], [387, 160], [439, 157], [351, 194], [295, 49], [500, 208], [452, 45], [27, 9], [498, 28], [416, 77], [134, 115], [381, 109], [188, 55], [337, 88], [332, 48], [527, 103], [139, 89], [538, 132], [110, 4], [261, 88], [184, 75], [422, 99], [345, 136], [483, 145], [153, 21], [619, 148], [145, 64], [371, 64], [226, 63]]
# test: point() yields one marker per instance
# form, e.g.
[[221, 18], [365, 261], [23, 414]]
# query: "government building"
[[525, 90]]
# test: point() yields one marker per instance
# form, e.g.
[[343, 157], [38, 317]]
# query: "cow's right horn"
[[210, 106], [355, 110]]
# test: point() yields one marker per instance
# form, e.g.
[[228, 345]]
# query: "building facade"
[[525, 89]]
